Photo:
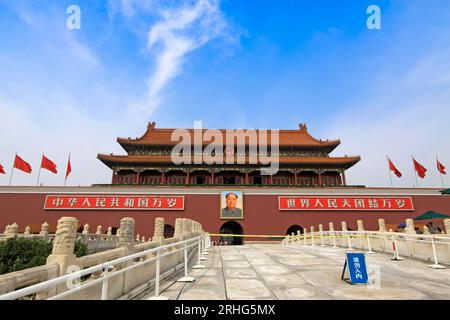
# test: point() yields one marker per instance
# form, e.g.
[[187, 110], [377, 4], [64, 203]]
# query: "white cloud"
[[179, 31], [50, 117]]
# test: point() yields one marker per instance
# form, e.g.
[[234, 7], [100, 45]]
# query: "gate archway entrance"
[[232, 227], [168, 231], [293, 229]]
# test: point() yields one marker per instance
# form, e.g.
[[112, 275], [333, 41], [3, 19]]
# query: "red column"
[[212, 177], [138, 177], [163, 178], [113, 181], [271, 179], [246, 177], [188, 178], [295, 178], [343, 178], [320, 178]]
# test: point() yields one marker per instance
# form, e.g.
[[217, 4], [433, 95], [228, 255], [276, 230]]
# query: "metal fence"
[[107, 270], [434, 248]]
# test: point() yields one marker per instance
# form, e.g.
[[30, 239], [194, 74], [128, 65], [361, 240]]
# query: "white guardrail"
[[434, 248], [203, 242]]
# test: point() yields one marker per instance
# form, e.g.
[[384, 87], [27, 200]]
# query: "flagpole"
[[442, 179], [10, 178], [39, 174], [415, 172], [67, 166], [390, 173]]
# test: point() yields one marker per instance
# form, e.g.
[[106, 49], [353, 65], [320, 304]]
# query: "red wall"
[[261, 214]]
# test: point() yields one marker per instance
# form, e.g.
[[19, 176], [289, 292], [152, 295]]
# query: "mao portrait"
[[231, 205]]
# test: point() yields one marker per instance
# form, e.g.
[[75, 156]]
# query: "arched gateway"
[[293, 229], [232, 227], [168, 231]]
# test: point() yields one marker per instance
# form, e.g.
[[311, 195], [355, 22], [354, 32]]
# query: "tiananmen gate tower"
[[303, 160], [239, 196]]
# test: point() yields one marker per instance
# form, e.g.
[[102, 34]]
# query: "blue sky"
[[231, 64]]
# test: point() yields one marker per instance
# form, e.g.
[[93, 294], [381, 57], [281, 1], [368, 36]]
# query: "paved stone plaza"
[[271, 271]]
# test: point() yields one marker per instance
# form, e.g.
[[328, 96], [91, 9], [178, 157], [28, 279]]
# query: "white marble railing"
[[431, 248], [132, 266]]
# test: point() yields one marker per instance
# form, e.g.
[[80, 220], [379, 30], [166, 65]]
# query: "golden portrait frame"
[[239, 205]]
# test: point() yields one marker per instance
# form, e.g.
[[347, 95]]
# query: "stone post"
[[360, 240], [99, 230], [331, 226], [288, 239], [360, 225], [158, 234], [447, 226], [13, 231], [321, 235], [27, 230], [344, 226], [85, 233], [196, 228], [410, 226], [63, 249], [199, 229], [425, 230], [185, 229], [178, 229], [381, 225], [312, 236], [109, 232], [138, 238], [126, 235], [189, 227], [44, 230], [333, 235], [126, 241], [143, 239], [410, 230]]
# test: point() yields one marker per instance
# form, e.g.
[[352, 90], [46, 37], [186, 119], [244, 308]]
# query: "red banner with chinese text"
[[90, 202], [345, 203]]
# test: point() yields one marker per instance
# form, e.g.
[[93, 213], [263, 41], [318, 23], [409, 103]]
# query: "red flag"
[[419, 168], [441, 167], [69, 168], [48, 164], [393, 168], [21, 164], [1, 169]]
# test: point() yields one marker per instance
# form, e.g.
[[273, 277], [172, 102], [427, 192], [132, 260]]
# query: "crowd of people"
[[221, 242], [432, 229]]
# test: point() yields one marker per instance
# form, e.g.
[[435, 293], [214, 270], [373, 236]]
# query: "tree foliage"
[[22, 253]]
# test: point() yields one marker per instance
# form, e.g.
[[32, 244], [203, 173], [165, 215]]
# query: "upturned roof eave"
[[110, 160], [124, 142]]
